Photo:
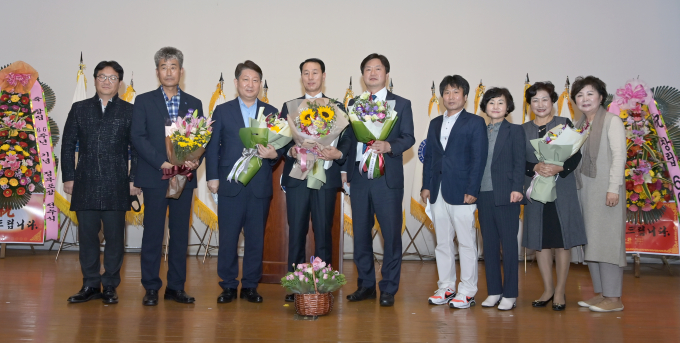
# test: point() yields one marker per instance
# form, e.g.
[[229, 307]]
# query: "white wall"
[[497, 41]]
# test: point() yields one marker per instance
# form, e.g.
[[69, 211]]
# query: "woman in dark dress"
[[555, 225]]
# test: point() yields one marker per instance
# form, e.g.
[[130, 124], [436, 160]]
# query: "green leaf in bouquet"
[[250, 136], [361, 132], [387, 128]]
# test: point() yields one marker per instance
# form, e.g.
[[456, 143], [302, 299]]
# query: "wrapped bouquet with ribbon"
[[560, 143], [264, 130], [318, 124], [185, 140], [372, 121]]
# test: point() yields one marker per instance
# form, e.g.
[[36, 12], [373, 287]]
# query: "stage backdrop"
[[496, 41]]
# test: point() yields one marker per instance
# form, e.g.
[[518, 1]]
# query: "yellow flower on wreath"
[[3, 181], [23, 169], [5, 147], [13, 182], [18, 148], [623, 114], [327, 113], [11, 153], [15, 98], [656, 196], [627, 173], [38, 168], [26, 153], [306, 117]]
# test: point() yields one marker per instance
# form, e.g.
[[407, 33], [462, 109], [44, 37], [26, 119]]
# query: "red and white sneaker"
[[442, 296], [462, 301]]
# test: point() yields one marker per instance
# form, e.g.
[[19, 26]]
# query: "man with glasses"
[[101, 185], [153, 112]]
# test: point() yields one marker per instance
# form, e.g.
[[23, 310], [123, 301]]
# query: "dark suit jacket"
[[401, 139], [225, 149], [460, 167], [508, 162], [332, 174], [101, 180], [148, 135]]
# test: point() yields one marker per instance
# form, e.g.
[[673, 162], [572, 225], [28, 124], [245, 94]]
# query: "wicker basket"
[[317, 304]]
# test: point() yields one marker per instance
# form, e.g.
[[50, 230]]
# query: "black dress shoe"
[[109, 296], [150, 298], [386, 299], [251, 295], [179, 296], [541, 303], [362, 293], [290, 298], [85, 294], [560, 307], [227, 295]]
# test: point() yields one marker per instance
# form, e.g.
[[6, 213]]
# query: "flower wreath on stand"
[[647, 183]]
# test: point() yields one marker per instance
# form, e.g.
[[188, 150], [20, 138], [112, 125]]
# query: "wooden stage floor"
[[34, 289]]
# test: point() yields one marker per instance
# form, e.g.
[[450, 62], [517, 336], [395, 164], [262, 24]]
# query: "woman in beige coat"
[[600, 179]]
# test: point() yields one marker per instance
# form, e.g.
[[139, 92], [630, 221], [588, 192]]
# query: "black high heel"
[[540, 303], [560, 307]]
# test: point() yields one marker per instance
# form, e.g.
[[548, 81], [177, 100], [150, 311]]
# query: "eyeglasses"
[[111, 78]]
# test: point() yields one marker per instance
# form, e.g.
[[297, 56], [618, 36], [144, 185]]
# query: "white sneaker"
[[507, 304], [442, 296], [462, 301], [492, 300]]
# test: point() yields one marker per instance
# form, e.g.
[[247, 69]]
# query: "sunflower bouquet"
[[372, 121], [265, 130], [185, 140], [318, 124]]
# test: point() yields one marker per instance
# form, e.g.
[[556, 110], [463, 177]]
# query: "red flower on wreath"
[[13, 141], [29, 120], [24, 100], [4, 97], [629, 185], [28, 173], [23, 144], [2, 156], [36, 158], [36, 177], [21, 191], [3, 133], [21, 157], [7, 193], [9, 173], [23, 135]]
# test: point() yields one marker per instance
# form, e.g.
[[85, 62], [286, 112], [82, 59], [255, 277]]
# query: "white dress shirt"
[[447, 125], [307, 96]]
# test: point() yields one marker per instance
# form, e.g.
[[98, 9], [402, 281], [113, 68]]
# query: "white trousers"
[[451, 221]]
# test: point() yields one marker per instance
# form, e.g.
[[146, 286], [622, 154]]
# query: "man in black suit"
[[302, 201], [383, 196], [101, 185], [153, 112], [453, 166], [240, 207]]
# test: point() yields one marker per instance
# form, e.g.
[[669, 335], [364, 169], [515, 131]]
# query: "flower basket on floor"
[[312, 284]]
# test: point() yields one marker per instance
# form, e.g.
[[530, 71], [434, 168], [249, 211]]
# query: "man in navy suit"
[[152, 113], [302, 201], [454, 164], [240, 207], [383, 196]]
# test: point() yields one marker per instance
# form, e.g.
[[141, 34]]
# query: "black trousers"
[[155, 207], [499, 226], [300, 203], [248, 212], [89, 224], [369, 198]]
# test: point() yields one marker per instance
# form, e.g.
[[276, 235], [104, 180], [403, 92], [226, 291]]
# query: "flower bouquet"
[[560, 143], [264, 130], [318, 124], [21, 168], [312, 284], [372, 121], [185, 140]]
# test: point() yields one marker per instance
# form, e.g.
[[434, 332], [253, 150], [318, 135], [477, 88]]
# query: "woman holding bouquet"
[[554, 225], [602, 195], [499, 198]]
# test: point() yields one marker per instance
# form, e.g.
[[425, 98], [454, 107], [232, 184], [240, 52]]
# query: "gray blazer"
[[567, 203]]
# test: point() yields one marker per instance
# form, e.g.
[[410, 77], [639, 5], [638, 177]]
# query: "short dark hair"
[[248, 64], [541, 86], [314, 60], [581, 82], [382, 59], [497, 92], [112, 64], [455, 81]]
